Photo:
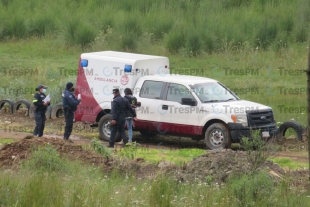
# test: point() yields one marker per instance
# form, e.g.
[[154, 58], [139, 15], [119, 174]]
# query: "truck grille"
[[260, 118]]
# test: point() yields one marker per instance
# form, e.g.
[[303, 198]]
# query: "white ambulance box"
[[100, 72]]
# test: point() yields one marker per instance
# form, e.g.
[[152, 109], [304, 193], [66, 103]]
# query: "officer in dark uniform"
[[129, 118], [40, 110], [119, 110], [70, 104]]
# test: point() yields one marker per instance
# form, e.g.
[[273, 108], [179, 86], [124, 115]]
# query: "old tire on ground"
[[57, 111], [9, 102], [217, 136], [289, 124], [19, 103], [31, 111], [104, 129], [48, 112]]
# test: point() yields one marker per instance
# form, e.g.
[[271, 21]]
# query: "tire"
[[57, 111], [8, 101], [289, 124], [217, 136], [104, 129], [31, 111], [147, 134], [19, 103], [48, 112]]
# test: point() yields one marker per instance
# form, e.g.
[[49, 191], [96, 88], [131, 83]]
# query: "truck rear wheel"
[[104, 129], [217, 136]]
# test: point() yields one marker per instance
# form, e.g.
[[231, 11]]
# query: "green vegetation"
[[218, 39], [6, 141], [257, 150], [288, 163], [192, 25], [179, 156], [46, 180]]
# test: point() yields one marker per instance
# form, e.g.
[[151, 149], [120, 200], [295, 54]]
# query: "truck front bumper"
[[238, 131]]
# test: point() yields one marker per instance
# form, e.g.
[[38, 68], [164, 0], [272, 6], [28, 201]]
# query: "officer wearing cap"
[[119, 109], [40, 110], [70, 103]]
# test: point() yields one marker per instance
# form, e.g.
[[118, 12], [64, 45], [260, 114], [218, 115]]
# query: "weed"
[[99, 148], [45, 159], [258, 151], [252, 189], [174, 41], [130, 150]]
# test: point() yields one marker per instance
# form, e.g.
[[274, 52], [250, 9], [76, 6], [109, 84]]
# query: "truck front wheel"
[[217, 136], [104, 129]]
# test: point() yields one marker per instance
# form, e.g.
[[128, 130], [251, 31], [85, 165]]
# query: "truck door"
[[175, 116], [150, 97]]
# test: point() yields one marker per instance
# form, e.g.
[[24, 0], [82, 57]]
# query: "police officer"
[[70, 104], [40, 110], [119, 109]]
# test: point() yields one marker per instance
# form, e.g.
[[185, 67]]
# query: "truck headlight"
[[242, 119]]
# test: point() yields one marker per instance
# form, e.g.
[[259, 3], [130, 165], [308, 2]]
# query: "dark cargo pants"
[[69, 116], [120, 127], [40, 119]]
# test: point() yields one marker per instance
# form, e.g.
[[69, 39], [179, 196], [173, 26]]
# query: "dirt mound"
[[211, 167], [217, 166], [11, 154]]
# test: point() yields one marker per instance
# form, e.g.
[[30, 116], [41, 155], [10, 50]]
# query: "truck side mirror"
[[138, 104], [188, 101]]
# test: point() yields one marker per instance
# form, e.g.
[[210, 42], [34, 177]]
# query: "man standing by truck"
[[70, 104], [119, 110], [129, 119]]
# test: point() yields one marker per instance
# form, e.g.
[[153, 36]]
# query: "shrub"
[[84, 35], [161, 27], [174, 41], [252, 190], [193, 43], [45, 159], [41, 26], [69, 30], [16, 28], [130, 150], [161, 191], [266, 34], [128, 42], [99, 148], [257, 150]]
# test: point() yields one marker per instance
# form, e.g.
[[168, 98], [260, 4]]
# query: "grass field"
[[271, 78], [48, 180], [255, 47]]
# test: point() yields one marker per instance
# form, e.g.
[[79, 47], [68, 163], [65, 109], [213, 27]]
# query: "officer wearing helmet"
[[40, 110], [70, 103]]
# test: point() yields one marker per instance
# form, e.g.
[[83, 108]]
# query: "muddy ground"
[[211, 167]]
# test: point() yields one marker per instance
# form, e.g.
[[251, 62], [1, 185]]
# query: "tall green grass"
[[47, 56], [82, 185], [262, 23]]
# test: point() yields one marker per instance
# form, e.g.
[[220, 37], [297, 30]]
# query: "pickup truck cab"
[[182, 105]]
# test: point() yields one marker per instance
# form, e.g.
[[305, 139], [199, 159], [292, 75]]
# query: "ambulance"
[[170, 104]]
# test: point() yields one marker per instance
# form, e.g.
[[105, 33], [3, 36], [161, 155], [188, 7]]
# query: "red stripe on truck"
[[170, 128], [88, 109]]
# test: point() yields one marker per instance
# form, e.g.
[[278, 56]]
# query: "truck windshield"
[[213, 92]]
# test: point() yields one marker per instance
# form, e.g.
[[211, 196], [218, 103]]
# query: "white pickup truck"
[[187, 106]]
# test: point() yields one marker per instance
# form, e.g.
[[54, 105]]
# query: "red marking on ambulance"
[[124, 80], [106, 79]]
